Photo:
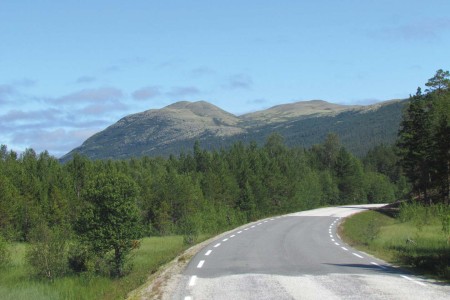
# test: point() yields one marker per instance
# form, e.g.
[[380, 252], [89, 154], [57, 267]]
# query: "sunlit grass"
[[16, 282], [423, 248]]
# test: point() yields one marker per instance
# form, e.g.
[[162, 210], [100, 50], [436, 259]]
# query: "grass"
[[16, 283], [421, 246]]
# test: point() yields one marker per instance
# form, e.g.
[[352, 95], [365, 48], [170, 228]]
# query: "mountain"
[[175, 128]]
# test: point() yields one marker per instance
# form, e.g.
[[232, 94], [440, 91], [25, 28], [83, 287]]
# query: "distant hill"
[[175, 128]]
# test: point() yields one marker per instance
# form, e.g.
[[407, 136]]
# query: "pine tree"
[[414, 143]]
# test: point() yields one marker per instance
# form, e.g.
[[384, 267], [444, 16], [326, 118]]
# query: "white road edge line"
[[216, 245], [357, 255], [343, 248], [224, 240], [375, 264], [200, 264], [336, 244], [239, 231], [415, 281], [333, 240], [232, 236], [192, 280], [208, 252]]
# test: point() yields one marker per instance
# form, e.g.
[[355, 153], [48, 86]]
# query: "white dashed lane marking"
[[216, 245], [208, 252], [357, 255], [200, 264], [192, 280]]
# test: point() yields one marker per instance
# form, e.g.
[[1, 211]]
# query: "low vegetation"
[[16, 283], [416, 237]]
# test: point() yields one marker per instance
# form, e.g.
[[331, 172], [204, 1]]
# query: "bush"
[[48, 252], [5, 254]]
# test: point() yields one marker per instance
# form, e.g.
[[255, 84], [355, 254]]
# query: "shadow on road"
[[381, 269]]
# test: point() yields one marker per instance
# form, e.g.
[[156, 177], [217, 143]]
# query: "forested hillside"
[[81, 205]]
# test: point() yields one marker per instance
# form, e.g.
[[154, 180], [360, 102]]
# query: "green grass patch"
[[423, 248], [16, 282]]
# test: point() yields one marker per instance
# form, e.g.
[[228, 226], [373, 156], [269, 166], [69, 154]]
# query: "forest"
[[87, 215]]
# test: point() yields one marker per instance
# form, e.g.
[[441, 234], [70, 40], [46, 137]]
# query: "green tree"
[[110, 218], [439, 82], [414, 143]]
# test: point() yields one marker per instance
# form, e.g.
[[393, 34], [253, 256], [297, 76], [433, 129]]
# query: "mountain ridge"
[[174, 128]]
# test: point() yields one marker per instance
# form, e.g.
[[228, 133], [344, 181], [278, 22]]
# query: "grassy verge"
[[16, 283], [423, 249]]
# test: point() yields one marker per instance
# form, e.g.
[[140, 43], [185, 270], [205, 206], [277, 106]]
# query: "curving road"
[[297, 256]]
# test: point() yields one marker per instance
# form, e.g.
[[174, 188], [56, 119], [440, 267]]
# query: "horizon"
[[71, 69]]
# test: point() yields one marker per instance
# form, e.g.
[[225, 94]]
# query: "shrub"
[[48, 252]]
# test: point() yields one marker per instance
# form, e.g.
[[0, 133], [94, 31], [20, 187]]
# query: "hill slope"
[[175, 128]]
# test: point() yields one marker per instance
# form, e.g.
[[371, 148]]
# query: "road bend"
[[297, 256]]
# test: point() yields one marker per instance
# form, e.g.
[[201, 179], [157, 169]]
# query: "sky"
[[69, 69]]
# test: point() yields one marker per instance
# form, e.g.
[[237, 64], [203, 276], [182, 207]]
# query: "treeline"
[[424, 141], [93, 212]]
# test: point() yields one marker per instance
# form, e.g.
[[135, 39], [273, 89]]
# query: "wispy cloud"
[[239, 81], [146, 93], [172, 63], [91, 96], [33, 115], [85, 79], [59, 140], [423, 30], [258, 101], [102, 108], [202, 71], [6, 90], [180, 92], [25, 82], [112, 69]]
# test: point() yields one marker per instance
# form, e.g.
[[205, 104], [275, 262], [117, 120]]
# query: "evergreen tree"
[[414, 143]]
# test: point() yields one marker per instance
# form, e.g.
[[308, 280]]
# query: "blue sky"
[[69, 69]]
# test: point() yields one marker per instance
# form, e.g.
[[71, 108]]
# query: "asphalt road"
[[297, 256]]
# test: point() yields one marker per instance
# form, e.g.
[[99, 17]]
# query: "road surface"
[[297, 256]]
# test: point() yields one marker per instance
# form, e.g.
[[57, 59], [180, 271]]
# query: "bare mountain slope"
[[286, 112], [174, 129]]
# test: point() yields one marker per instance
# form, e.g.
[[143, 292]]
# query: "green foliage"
[[110, 204], [110, 218], [424, 141], [5, 254], [378, 188], [48, 252], [16, 283]]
